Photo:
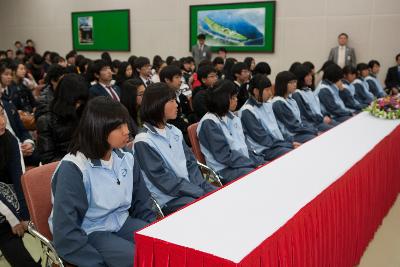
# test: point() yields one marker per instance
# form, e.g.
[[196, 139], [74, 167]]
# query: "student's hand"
[[327, 120], [25, 224], [27, 149], [296, 144], [18, 229]]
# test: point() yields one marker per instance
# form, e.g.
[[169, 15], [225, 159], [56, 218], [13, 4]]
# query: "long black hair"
[[128, 96]]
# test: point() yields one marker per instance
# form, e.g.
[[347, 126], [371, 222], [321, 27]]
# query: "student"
[[99, 196], [362, 92], [218, 64], [29, 49], [241, 74], [142, 69], [308, 103], [227, 71], [14, 215], [187, 70], [287, 112], [157, 68], [124, 73], [262, 68], [221, 135], [208, 77], [103, 76], [70, 57], [55, 128], [222, 53], [349, 91], [328, 94], [250, 63], [131, 97], [169, 167], [259, 123], [20, 95], [310, 65], [374, 84]]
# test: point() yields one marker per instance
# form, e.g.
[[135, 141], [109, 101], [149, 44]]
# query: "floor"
[[383, 251]]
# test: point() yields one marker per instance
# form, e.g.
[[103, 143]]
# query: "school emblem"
[[124, 172]]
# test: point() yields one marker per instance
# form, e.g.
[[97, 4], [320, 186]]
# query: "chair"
[[36, 184], [208, 173]]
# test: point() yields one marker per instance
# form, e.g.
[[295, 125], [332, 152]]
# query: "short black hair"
[[397, 56], [222, 49], [362, 66], [301, 71], [154, 99], [349, 69], [17, 42], [71, 53], [262, 68], [140, 62], [333, 73], [281, 82], [54, 57], [259, 82], [132, 59], [101, 116], [37, 59], [309, 65], [373, 62], [128, 96], [106, 57], [294, 66], [325, 65], [81, 64], [201, 36], [170, 59], [29, 40], [54, 73], [218, 97], [344, 34], [204, 71], [218, 60], [98, 65], [238, 68], [115, 64], [169, 72]]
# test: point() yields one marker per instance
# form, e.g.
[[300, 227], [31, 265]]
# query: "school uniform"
[[348, 97], [328, 95], [223, 144], [375, 86], [310, 108], [97, 205], [146, 81], [362, 93], [262, 130], [169, 167], [99, 89], [289, 119]]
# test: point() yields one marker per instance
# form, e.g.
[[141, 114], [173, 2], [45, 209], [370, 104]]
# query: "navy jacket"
[[98, 90], [16, 124]]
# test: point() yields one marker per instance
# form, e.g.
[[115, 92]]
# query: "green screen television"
[[239, 27], [107, 30]]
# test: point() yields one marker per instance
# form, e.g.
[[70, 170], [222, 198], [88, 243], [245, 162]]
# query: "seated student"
[[14, 215], [157, 67], [259, 124], [186, 67], [287, 112], [227, 71], [250, 63], [349, 91], [218, 64], [308, 103], [328, 93], [53, 77], [310, 65], [262, 68], [208, 77], [55, 128], [374, 84], [362, 92], [221, 135], [103, 75], [99, 196], [241, 74], [171, 75], [142, 70], [131, 97], [169, 166], [124, 73]]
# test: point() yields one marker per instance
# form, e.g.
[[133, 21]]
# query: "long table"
[[318, 205]]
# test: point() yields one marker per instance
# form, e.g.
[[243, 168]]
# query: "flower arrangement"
[[385, 108]]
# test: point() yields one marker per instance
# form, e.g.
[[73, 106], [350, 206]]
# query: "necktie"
[[148, 82], [113, 94]]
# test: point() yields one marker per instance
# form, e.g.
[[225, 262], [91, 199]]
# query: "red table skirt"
[[334, 229]]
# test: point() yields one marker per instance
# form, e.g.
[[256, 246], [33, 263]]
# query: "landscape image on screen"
[[233, 27]]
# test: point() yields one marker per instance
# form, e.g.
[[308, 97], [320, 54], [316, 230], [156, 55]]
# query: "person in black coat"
[[56, 127], [393, 75]]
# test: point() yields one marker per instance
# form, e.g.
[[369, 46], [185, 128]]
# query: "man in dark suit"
[[393, 75], [342, 54], [201, 51], [103, 75]]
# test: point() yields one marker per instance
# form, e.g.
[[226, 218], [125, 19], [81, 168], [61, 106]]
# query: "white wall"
[[305, 29]]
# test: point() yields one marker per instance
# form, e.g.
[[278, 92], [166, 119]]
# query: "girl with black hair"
[[349, 91], [169, 166], [221, 136], [250, 63], [124, 73], [259, 123], [328, 94], [56, 127], [20, 95], [287, 111], [14, 215], [262, 68], [99, 196], [362, 92], [308, 103]]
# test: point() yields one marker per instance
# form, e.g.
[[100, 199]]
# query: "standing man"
[[201, 51], [342, 54]]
